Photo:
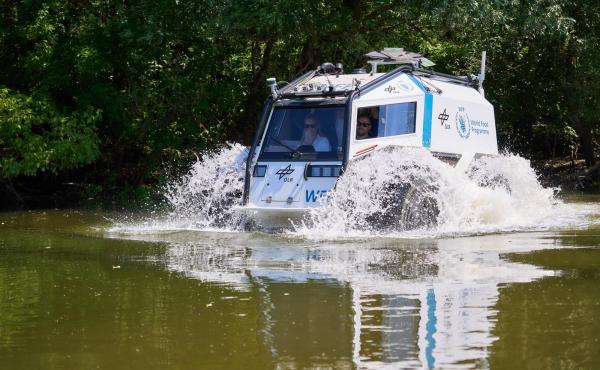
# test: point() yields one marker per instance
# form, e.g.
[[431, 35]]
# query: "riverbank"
[[568, 175]]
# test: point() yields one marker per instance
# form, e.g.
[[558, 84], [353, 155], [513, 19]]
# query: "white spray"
[[202, 199], [205, 196], [495, 194]]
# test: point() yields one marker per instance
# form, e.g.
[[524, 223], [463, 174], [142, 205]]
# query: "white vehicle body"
[[408, 107]]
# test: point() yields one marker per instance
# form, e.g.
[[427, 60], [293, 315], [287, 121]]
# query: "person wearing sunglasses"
[[312, 135], [363, 127]]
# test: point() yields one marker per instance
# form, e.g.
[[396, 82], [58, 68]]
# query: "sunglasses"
[[363, 124], [310, 126]]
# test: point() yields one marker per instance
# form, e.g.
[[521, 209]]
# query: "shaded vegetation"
[[99, 97]]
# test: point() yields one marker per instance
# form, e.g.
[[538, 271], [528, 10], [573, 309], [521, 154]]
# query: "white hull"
[[274, 217]]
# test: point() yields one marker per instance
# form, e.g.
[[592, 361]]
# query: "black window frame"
[[331, 156], [416, 105]]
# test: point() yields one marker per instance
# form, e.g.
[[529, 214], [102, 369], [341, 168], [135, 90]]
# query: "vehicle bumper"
[[273, 217]]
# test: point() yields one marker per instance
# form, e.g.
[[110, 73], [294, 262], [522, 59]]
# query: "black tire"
[[407, 201], [406, 207], [419, 208]]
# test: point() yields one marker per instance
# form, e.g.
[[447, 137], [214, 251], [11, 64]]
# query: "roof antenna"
[[481, 76]]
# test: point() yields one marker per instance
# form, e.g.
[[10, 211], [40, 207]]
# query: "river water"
[[514, 284]]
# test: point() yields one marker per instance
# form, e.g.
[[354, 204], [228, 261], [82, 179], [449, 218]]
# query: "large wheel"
[[406, 206], [391, 189], [419, 208]]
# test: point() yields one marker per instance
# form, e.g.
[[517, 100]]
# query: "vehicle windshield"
[[300, 133]]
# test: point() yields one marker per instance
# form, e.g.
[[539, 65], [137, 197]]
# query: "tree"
[[35, 136]]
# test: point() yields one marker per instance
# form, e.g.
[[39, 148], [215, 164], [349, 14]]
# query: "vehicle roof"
[[341, 82], [313, 84]]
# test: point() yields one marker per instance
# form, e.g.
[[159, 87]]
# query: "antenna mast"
[[481, 76]]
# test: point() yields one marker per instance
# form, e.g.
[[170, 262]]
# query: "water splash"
[[202, 199], [207, 193], [397, 192], [495, 194]]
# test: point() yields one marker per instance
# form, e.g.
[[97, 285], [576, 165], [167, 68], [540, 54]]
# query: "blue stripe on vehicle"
[[418, 83], [430, 329], [426, 113]]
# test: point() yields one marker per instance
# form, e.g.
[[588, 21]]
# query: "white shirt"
[[321, 144]]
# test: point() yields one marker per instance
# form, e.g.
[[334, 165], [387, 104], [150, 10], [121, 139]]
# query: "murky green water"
[[74, 297]]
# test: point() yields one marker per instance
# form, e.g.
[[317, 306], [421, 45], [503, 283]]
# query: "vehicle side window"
[[386, 120]]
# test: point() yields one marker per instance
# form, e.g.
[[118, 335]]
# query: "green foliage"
[[174, 77], [34, 136]]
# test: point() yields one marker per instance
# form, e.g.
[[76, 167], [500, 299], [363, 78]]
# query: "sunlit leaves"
[[176, 76], [35, 136]]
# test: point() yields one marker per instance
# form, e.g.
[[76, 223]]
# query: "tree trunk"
[[585, 136], [574, 104], [256, 93]]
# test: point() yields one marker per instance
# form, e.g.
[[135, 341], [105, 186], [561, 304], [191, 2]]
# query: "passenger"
[[312, 135], [363, 127]]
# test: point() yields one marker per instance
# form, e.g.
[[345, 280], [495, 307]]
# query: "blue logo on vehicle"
[[405, 86], [314, 195], [463, 124]]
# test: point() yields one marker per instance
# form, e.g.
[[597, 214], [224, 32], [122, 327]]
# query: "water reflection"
[[71, 299], [382, 304]]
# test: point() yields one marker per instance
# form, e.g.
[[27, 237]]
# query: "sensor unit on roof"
[[396, 56], [329, 69]]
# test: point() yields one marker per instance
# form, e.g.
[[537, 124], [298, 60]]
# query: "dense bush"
[[135, 86]]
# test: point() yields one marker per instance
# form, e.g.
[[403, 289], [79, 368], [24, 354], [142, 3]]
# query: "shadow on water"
[[72, 296]]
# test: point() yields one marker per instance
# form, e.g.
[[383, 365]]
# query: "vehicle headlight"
[[324, 170]]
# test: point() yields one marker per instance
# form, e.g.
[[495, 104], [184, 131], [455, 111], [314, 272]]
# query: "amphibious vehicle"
[[312, 128]]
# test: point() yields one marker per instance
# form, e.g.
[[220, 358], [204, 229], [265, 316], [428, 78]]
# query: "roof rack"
[[400, 56], [317, 83], [469, 80]]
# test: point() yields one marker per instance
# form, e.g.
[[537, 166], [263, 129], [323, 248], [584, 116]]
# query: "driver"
[[312, 135]]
